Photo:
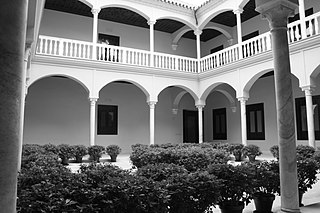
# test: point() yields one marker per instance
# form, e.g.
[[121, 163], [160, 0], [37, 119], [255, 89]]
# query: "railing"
[[113, 54], [173, 62]]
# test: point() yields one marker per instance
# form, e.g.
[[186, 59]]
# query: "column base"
[[283, 210]]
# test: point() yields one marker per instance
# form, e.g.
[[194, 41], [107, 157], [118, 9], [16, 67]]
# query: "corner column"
[[198, 34], [200, 121], [243, 118], [93, 102], [151, 24], [152, 105], [13, 20], [302, 19], [239, 30], [310, 119], [95, 12], [277, 13]]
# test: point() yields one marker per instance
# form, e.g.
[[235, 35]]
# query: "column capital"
[[243, 99], [152, 104], [230, 41], [152, 22], [95, 11], [237, 11], [93, 101], [200, 106], [277, 11], [307, 89], [174, 46], [197, 32]]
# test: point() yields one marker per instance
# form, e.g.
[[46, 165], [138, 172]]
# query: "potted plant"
[[304, 151], [234, 194], [275, 151], [307, 175], [79, 151], [266, 183], [65, 152], [251, 151], [236, 150], [113, 151], [96, 152]]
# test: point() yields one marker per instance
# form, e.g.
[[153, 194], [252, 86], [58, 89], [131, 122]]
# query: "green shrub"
[[236, 150], [275, 151], [251, 150], [192, 157], [307, 173], [161, 171], [304, 152], [79, 151], [65, 152], [113, 150], [51, 148], [29, 149], [96, 152]]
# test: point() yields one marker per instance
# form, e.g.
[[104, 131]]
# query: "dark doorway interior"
[[190, 126]]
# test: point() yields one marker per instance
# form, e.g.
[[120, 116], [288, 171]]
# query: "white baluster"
[[268, 42], [76, 49], [60, 49], [41, 41], [316, 25]]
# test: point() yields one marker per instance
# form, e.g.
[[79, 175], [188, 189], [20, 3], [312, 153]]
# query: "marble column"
[[151, 24], [13, 19], [302, 19], [310, 118], [93, 108], [23, 98], [239, 30], [152, 105], [200, 121], [198, 34], [277, 13], [95, 12], [243, 118]]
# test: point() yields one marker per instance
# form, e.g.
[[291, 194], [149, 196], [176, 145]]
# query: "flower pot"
[[252, 158], [65, 161], [237, 156], [78, 159], [236, 208], [113, 158], [300, 198], [263, 202]]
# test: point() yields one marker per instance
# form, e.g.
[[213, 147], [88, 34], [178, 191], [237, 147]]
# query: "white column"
[[151, 24], [23, 100], [200, 110], [243, 101], [239, 30], [152, 105], [302, 19], [95, 12], [198, 33], [310, 119], [93, 102]]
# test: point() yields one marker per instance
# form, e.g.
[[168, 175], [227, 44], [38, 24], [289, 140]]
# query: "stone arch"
[[208, 90], [82, 83], [211, 16], [228, 96], [315, 73], [226, 31], [188, 90], [176, 36], [178, 99], [139, 85], [129, 6], [180, 19]]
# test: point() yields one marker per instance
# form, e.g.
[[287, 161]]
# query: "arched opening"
[[122, 116], [56, 111]]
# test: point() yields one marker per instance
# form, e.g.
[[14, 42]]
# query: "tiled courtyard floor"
[[311, 199]]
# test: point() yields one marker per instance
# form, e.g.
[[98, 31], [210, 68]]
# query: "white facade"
[[63, 109]]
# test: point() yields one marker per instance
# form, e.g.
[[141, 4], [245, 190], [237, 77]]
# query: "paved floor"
[[311, 199]]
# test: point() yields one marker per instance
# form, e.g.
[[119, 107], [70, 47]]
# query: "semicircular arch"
[[209, 89], [208, 18], [187, 89], [180, 19], [79, 81]]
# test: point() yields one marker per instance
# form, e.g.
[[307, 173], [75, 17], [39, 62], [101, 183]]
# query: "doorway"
[[190, 126]]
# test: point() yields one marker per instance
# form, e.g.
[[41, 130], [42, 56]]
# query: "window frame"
[[255, 108], [219, 135], [113, 127]]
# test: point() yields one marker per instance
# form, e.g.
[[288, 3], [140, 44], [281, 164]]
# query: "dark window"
[[107, 120], [216, 49], [255, 122], [219, 118], [301, 118], [250, 35], [308, 12], [109, 39]]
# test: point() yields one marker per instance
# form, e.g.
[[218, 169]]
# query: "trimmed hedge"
[[192, 156]]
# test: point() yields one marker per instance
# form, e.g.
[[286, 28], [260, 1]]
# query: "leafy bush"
[[275, 151], [29, 149], [192, 157], [96, 152], [236, 150], [307, 173], [51, 148], [161, 171], [251, 150], [79, 151], [65, 152], [304, 152], [237, 185], [113, 150]]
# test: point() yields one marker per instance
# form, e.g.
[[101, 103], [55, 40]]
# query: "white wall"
[[77, 27]]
